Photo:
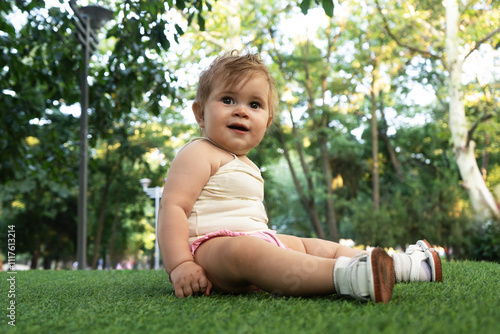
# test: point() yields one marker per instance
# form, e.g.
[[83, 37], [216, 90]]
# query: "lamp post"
[[156, 194], [87, 20]]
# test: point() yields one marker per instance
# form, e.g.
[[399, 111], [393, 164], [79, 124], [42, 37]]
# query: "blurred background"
[[367, 145]]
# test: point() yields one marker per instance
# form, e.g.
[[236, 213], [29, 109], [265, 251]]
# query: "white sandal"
[[366, 276], [408, 265]]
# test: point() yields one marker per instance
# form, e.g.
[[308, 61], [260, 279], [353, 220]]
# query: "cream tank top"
[[232, 200]]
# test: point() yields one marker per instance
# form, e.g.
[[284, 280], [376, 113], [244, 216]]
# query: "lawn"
[[468, 301]]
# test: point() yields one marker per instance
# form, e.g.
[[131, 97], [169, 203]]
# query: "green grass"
[[468, 301]]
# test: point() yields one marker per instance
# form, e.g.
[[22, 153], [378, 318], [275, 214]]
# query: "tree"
[[345, 109], [38, 65], [313, 81], [133, 71], [42, 205], [446, 49], [481, 198]]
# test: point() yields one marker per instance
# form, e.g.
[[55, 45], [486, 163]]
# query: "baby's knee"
[[293, 242]]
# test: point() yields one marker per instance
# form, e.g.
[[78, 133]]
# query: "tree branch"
[[409, 47], [392, 154], [483, 118], [478, 44]]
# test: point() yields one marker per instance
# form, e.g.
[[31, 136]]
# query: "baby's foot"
[[420, 262], [367, 276]]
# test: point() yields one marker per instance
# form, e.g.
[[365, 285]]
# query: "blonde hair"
[[230, 69]]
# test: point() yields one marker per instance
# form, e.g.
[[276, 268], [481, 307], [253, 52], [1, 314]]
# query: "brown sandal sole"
[[384, 276], [437, 263]]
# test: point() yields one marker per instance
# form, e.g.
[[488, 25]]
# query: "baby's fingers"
[[188, 289], [208, 288], [182, 292], [183, 289], [205, 286]]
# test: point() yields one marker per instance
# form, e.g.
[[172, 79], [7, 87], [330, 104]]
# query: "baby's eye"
[[227, 100], [254, 105]]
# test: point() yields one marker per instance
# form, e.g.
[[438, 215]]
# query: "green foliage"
[[327, 6], [139, 92], [39, 158], [41, 199], [26, 97], [133, 76], [384, 227], [485, 244], [281, 202]]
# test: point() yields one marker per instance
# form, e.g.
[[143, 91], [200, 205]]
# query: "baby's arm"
[[189, 172]]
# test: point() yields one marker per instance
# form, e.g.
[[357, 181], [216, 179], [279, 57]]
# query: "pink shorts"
[[267, 235]]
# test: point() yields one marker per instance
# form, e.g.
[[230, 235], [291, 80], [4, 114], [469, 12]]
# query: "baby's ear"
[[198, 114], [269, 122]]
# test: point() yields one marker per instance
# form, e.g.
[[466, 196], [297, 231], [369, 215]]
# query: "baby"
[[212, 230]]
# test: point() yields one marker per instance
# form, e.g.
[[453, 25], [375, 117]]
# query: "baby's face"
[[236, 118]]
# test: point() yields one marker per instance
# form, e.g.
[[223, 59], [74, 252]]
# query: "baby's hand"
[[189, 278]]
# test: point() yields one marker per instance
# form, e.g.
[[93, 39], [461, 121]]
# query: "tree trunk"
[[374, 127], [112, 254], [481, 198], [234, 25], [486, 158], [331, 218], [34, 259], [102, 215], [307, 201], [392, 154]]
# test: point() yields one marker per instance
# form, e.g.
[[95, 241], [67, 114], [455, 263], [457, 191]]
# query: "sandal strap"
[[348, 277], [415, 267], [422, 251]]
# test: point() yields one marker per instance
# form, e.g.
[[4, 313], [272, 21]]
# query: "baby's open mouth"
[[238, 127]]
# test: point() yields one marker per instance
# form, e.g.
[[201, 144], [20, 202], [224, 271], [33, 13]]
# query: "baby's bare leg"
[[239, 264], [318, 247]]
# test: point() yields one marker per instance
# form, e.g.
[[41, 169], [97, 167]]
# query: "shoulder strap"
[[211, 141]]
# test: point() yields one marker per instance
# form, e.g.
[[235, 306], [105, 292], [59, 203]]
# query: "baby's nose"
[[240, 111]]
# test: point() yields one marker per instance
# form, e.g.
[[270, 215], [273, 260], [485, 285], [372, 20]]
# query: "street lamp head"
[[98, 16], [145, 183]]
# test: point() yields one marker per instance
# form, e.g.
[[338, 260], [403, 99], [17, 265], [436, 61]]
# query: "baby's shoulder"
[[204, 152], [199, 146]]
